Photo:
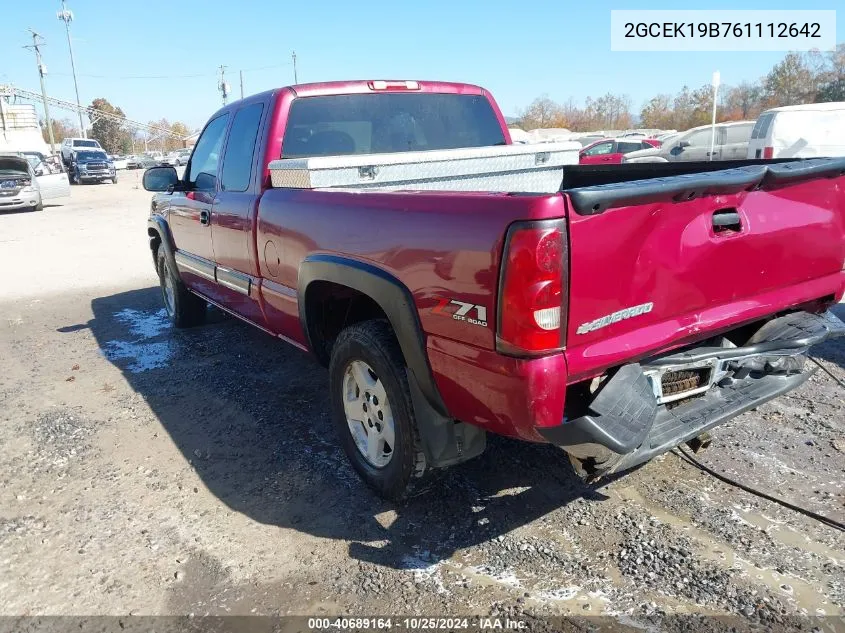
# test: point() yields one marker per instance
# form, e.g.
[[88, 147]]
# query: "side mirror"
[[160, 178], [39, 172], [683, 144]]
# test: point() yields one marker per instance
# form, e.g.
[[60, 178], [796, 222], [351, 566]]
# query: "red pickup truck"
[[626, 313]]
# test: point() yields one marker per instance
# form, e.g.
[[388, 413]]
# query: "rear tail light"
[[532, 297], [768, 152]]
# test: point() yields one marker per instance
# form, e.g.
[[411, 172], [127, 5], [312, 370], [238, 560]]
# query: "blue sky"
[[518, 51]]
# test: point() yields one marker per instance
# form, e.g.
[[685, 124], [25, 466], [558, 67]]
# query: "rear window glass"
[[388, 122], [761, 127], [86, 144], [625, 147]]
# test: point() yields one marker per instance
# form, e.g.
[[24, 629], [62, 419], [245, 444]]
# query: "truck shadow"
[[252, 417], [832, 351]]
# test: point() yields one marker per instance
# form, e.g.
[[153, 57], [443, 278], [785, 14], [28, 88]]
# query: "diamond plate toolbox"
[[536, 168]]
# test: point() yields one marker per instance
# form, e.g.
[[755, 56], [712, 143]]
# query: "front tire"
[[372, 409], [184, 308], [114, 180]]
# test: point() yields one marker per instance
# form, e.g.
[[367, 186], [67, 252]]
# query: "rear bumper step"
[[629, 421]]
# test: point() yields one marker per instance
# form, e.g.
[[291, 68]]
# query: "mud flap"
[[445, 441]]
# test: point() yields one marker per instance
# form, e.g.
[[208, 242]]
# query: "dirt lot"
[[152, 471]]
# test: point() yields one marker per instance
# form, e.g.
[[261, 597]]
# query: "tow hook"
[[700, 442]]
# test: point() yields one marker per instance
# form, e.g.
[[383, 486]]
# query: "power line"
[[92, 113]]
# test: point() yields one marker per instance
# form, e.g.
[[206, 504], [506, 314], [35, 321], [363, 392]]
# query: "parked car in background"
[[91, 166], [589, 139], [140, 161], [731, 143], [177, 158], [610, 150], [801, 131], [71, 145], [652, 142], [119, 162], [24, 186]]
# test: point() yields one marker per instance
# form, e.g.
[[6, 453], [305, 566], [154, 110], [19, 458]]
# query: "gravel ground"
[[151, 471]]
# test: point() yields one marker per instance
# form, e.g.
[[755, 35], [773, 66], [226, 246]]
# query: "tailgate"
[[662, 262]]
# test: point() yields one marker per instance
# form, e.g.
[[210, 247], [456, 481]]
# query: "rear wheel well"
[[329, 309], [155, 242]]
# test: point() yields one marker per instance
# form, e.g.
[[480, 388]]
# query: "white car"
[[178, 158], [23, 186], [120, 162], [801, 131]]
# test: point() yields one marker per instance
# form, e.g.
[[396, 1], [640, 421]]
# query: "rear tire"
[[184, 308], [378, 412]]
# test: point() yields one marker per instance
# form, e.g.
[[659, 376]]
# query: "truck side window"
[[237, 160], [206, 157]]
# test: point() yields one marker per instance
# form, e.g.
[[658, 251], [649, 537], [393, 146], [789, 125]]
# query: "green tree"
[[791, 82], [832, 91], [109, 132]]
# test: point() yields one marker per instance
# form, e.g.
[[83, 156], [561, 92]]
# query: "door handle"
[[727, 220], [205, 217]]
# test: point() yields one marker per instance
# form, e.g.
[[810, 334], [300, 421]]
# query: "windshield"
[[91, 156], [389, 122]]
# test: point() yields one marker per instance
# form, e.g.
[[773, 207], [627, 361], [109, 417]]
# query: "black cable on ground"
[[828, 372], [818, 517]]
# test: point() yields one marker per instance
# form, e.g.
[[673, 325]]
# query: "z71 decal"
[[461, 311]]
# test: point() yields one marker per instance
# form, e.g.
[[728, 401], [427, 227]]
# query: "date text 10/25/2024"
[[416, 624]]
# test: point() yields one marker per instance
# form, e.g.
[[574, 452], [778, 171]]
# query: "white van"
[[801, 131]]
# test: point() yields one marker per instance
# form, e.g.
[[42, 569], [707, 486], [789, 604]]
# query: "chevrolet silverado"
[[627, 312]]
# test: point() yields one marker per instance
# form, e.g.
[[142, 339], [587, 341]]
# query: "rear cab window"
[[336, 125], [240, 148], [761, 127]]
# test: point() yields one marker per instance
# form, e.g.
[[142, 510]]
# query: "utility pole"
[[293, 56], [37, 41], [222, 85], [242, 84], [66, 16]]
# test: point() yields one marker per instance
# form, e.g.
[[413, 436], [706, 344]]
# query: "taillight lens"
[[768, 152], [532, 298]]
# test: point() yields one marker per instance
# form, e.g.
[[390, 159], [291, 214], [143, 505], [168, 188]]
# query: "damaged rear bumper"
[[646, 409]]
